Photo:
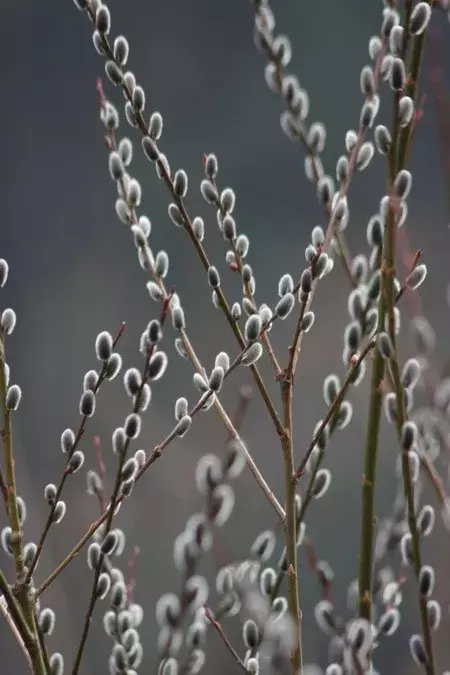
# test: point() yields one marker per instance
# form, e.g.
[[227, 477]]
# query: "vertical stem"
[[13, 509], [365, 581], [403, 148], [23, 592], [368, 490], [290, 525], [13, 614]]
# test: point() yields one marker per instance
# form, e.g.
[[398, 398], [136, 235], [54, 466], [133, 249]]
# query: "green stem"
[[368, 489], [290, 527]]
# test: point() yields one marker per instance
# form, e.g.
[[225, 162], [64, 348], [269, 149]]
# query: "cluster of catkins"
[[44, 616], [250, 588]]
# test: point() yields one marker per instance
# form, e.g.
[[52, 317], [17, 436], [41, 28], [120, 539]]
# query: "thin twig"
[[188, 347], [66, 473], [23, 595], [334, 406], [142, 126], [238, 266], [216, 625], [114, 498], [376, 395], [153, 457], [390, 241], [13, 616]]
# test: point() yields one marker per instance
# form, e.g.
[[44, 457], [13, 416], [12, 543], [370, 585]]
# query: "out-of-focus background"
[[74, 272]]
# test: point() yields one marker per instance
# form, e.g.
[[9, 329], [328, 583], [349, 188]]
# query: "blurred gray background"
[[74, 272]]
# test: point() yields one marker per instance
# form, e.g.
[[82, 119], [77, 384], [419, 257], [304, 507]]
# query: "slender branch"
[[155, 455], [406, 469], [365, 576], [334, 406], [13, 509], [290, 527], [409, 498], [417, 51], [115, 494], [11, 611], [294, 349], [368, 488], [315, 166], [329, 419], [232, 430], [66, 473], [404, 141], [396, 161], [216, 625], [391, 236], [247, 286], [143, 128], [189, 349], [23, 591]]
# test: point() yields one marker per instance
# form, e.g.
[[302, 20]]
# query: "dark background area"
[[74, 272]]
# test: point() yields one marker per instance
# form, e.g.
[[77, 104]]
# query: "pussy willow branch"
[[405, 287], [287, 380], [332, 230], [12, 614], [114, 497], [7, 437], [235, 435], [331, 413], [66, 473], [248, 292], [396, 161], [156, 454], [217, 627], [290, 527], [430, 384], [287, 383], [409, 498], [426, 461], [369, 478], [406, 469], [342, 248], [198, 246], [23, 595], [300, 515], [112, 143], [294, 349], [291, 478], [285, 431], [334, 406], [290, 483], [402, 147], [265, 338], [417, 51], [308, 494], [343, 190]]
